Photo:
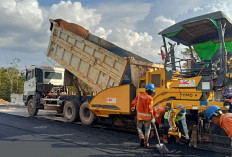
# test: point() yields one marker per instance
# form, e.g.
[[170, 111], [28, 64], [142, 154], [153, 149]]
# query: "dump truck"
[[99, 64], [206, 78]]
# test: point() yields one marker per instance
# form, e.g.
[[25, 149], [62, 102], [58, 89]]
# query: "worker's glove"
[[132, 109], [161, 126], [153, 120], [186, 137]]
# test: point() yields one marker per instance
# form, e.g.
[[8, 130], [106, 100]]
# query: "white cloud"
[[131, 38], [197, 9], [163, 22], [127, 20], [25, 27], [21, 25], [102, 33], [138, 43], [122, 14], [24, 15], [131, 25], [75, 13], [164, 19], [220, 5]]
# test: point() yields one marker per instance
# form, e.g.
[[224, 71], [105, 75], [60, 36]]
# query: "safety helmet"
[[183, 111], [211, 110], [150, 86], [171, 71]]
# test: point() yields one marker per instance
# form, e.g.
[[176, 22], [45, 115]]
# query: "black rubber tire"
[[31, 108], [70, 111], [86, 116]]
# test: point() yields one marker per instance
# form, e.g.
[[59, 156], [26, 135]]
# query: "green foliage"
[[4, 85], [11, 80], [83, 87], [79, 85], [86, 88], [187, 53]]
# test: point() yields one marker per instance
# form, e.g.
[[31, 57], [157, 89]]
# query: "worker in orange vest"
[[215, 115], [144, 104], [158, 114]]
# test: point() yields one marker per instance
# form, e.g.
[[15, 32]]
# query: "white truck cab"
[[41, 80]]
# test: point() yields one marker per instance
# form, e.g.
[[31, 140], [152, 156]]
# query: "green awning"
[[206, 50]]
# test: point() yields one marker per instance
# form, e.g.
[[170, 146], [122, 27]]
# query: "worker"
[[227, 93], [180, 117], [215, 115], [144, 116], [158, 114], [228, 105]]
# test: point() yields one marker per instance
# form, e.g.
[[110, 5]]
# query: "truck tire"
[[31, 108], [70, 111], [86, 116]]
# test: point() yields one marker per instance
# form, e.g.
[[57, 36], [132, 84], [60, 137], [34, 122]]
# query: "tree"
[[4, 85], [11, 80], [13, 74], [187, 53]]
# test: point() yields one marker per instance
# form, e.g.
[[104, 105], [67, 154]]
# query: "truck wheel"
[[70, 111], [86, 116], [31, 108]]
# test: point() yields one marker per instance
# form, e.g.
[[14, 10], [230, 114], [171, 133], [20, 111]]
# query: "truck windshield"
[[28, 75], [53, 75]]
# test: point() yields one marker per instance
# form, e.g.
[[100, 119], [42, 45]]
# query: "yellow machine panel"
[[187, 83], [114, 100]]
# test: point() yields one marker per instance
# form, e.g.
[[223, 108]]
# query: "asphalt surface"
[[21, 135]]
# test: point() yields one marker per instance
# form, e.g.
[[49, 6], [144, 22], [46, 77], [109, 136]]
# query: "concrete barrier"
[[16, 99]]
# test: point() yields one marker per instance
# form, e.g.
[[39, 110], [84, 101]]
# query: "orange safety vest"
[[144, 104], [226, 123], [158, 113]]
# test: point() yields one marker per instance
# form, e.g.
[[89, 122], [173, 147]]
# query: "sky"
[[131, 24]]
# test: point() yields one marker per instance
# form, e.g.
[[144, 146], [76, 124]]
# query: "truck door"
[[30, 82], [39, 75]]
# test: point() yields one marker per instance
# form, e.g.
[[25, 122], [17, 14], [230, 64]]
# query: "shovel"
[[161, 147]]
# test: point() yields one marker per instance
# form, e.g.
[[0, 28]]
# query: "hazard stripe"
[[229, 115], [143, 114]]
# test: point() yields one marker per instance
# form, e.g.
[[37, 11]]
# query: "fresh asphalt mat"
[[88, 141]]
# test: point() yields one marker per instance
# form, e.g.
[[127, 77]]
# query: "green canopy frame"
[[211, 37]]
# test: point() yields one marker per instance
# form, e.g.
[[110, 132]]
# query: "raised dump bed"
[[93, 60]]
